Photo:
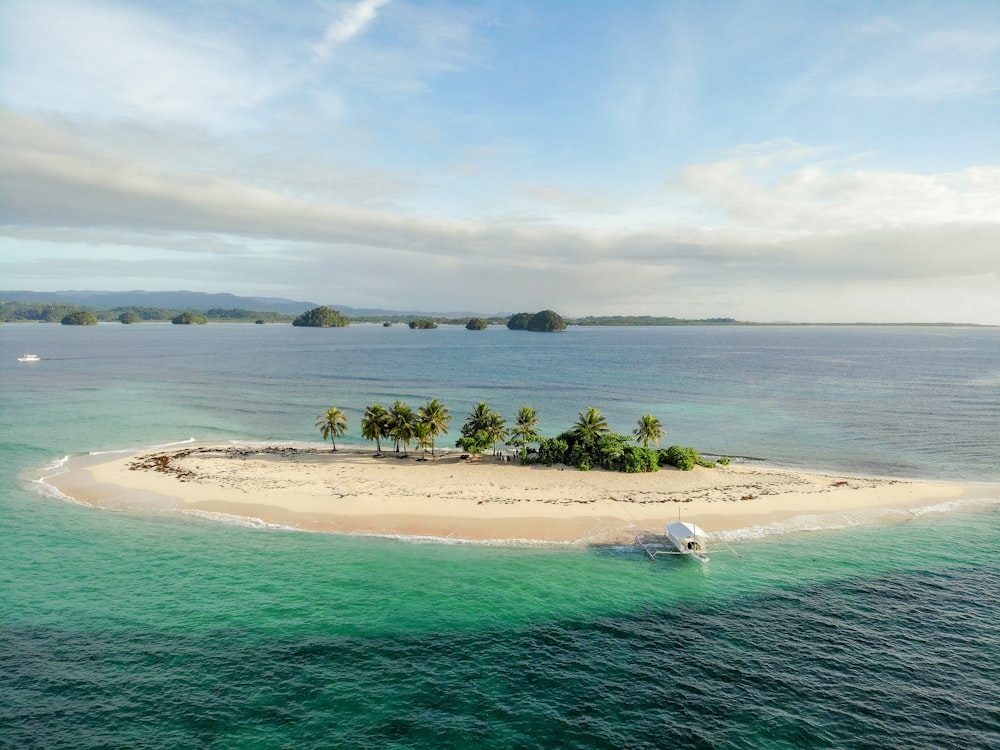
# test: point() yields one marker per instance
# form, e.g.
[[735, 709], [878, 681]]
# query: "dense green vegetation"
[[321, 317], [12, 312], [189, 318], [80, 318], [402, 425], [477, 324], [651, 320], [589, 443], [544, 321], [423, 324]]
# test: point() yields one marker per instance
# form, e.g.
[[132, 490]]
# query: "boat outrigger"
[[679, 538]]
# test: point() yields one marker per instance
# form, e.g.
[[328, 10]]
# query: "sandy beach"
[[481, 499]]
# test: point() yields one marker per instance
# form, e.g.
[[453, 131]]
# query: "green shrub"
[[552, 451], [684, 459], [610, 451], [476, 443], [639, 459]]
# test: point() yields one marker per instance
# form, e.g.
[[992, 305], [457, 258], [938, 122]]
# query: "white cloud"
[[97, 60], [812, 225], [348, 25]]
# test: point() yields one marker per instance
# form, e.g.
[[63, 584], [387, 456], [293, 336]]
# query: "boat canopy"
[[682, 530]]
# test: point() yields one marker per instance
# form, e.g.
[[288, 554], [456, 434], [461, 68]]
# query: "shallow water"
[[124, 629]]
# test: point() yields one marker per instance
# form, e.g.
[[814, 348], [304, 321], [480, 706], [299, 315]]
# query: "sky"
[[769, 160]]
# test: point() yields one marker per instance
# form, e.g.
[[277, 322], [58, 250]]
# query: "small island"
[[80, 318], [188, 319], [321, 317], [546, 321]]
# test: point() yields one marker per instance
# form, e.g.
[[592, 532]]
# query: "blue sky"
[[808, 161]]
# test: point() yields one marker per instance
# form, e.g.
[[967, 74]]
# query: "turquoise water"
[[144, 630]]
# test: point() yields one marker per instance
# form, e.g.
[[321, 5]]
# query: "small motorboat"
[[28, 358]]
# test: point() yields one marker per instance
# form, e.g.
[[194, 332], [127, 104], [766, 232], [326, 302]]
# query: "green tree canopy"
[[476, 443], [80, 318], [546, 320], [188, 318], [321, 317], [483, 419], [375, 424], [129, 316], [423, 324], [402, 425], [591, 425], [519, 322], [649, 430], [435, 416], [477, 324], [332, 424], [525, 429]]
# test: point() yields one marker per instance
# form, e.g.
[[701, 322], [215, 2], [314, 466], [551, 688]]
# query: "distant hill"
[[184, 300], [173, 300]]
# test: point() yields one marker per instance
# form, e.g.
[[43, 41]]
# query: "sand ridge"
[[459, 497]]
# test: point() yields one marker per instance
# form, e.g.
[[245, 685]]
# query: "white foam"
[[249, 522], [155, 446], [424, 539], [843, 520], [41, 487], [58, 466], [287, 443], [949, 506]]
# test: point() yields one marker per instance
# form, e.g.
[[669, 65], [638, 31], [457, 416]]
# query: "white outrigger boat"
[[29, 358], [688, 539], [680, 538]]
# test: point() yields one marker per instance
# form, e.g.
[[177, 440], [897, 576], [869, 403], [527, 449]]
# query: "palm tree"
[[375, 424], [591, 425], [402, 425], [424, 437], [649, 429], [525, 432], [496, 428], [435, 415], [332, 424], [477, 420]]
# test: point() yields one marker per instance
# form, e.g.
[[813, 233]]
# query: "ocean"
[[129, 629]]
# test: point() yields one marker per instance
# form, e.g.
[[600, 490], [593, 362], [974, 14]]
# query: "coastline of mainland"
[[459, 498]]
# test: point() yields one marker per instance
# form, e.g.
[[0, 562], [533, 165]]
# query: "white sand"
[[352, 491]]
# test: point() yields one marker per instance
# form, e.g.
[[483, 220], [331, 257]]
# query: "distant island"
[[79, 318], [72, 308], [321, 317], [544, 321]]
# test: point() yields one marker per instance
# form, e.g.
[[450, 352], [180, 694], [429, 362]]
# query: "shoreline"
[[482, 500]]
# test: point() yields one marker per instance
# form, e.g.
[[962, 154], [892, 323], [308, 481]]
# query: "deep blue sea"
[[153, 630]]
